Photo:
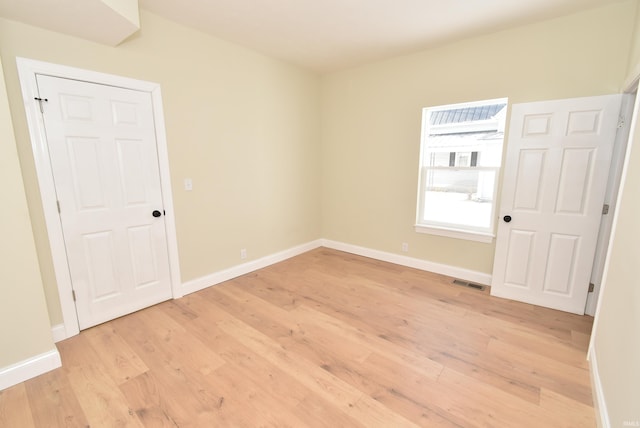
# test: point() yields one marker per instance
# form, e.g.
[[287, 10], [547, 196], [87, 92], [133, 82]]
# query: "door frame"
[[611, 196], [28, 69]]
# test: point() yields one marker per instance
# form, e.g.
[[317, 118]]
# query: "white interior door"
[[555, 176], [103, 153]]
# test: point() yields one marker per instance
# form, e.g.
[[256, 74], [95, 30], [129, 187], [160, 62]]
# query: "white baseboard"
[[58, 332], [236, 271], [599, 403], [245, 268], [453, 271], [29, 368]]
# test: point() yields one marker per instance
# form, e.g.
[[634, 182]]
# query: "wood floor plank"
[[149, 402], [295, 333], [178, 344], [14, 407], [253, 403], [524, 336], [324, 339], [116, 356], [343, 395], [542, 320], [548, 373], [53, 401], [272, 380], [278, 296], [98, 395], [271, 320], [428, 367], [559, 405], [176, 374], [481, 405], [492, 371], [398, 386], [317, 412]]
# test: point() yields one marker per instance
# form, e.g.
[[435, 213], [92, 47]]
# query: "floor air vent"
[[469, 284]]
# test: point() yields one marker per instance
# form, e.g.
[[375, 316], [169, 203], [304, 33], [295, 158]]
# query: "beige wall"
[[616, 337], [371, 119], [127, 8], [617, 328], [633, 69], [243, 126], [22, 303]]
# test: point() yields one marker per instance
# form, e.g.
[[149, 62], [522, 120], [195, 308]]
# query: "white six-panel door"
[[558, 157], [103, 152]]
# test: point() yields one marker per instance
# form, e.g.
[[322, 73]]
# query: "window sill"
[[486, 238]]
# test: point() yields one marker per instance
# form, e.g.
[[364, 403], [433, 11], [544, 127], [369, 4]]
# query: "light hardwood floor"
[[325, 339]]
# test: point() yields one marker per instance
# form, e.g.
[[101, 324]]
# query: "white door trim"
[[613, 184], [27, 71]]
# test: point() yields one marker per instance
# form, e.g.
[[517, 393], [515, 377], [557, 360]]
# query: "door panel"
[[102, 275], [130, 154], [557, 162], [84, 161], [517, 270], [102, 146], [143, 257], [575, 181], [529, 180], [562, 263]]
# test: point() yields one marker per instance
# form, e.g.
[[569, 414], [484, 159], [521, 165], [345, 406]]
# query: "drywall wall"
[[633, 68], [24, 324], [372, 114], [242, 126], [615, 343], [617, 325], [127, 8]]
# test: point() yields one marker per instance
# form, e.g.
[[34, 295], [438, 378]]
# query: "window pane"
[[461, 153], [487, 147], [459, 197]]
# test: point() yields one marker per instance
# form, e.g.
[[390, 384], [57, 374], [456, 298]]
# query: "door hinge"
[[591, 287], [40, 100], [73, 294], [605, 209], [58, 205], [620, 121]]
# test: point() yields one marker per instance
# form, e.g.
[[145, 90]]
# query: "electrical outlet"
[[405, 247], [243, 253]]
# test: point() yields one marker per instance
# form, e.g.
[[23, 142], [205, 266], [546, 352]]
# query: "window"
[[460, 157]]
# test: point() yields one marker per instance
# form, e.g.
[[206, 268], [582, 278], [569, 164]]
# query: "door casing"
[[28, 69], [613, 185]]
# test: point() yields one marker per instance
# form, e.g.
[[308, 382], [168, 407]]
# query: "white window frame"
[[454, 230]]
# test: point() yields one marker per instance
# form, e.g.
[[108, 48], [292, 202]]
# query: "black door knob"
[[507, 218], [156, 213]]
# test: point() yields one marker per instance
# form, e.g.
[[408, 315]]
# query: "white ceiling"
[[327, 35], [95, 20], [322, 35]]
